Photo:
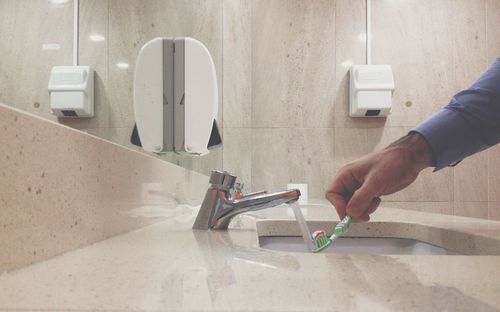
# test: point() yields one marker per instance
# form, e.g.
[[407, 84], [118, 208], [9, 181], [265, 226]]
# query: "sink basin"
[[379, 238], [358, 245]]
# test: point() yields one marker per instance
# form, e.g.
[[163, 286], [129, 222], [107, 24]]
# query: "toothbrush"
[[341, 228], [321, 241], [318, 241]]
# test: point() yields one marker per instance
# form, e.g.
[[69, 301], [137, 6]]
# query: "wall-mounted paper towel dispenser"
[[175, 97]]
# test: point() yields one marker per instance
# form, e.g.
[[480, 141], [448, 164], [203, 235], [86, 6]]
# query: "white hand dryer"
[[371, 90], [71, 91]]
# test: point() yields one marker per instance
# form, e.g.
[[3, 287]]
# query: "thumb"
[[361, 200]]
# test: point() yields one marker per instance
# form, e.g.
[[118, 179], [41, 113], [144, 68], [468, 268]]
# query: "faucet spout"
[[218, 208], [232, 208]]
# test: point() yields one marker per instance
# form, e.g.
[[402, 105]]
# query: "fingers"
[[349, 196], [365, 217], [361, 201], [373, 205], [339, 193], [339, 202]]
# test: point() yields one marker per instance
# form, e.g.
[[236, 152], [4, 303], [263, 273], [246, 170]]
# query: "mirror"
[[111, 33]]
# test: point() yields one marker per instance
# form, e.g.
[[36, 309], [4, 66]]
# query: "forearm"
[[469, 124], [415, 148]]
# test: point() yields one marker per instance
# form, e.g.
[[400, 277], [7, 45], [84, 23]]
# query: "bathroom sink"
[[358, 245], [378, 238]]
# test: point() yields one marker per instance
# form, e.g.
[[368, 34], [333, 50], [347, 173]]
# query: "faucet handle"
[[237, 191], [222, 180], [238, 187]]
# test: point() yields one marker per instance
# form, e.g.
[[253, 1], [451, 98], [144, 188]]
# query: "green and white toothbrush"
[[321, 241], [318, 241]]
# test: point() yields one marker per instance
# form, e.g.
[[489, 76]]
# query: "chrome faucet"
[[224, 200]]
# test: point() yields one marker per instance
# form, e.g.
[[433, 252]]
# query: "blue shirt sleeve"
[[468, 124]]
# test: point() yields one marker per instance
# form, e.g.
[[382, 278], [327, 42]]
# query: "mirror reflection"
[[110, 35]]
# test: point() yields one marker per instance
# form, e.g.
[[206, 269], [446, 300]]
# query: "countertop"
[[167, 266]]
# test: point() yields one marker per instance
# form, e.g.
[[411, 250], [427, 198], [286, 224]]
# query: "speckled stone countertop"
[[167, 266]]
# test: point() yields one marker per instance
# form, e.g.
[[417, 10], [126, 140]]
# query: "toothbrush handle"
[[342, 226]]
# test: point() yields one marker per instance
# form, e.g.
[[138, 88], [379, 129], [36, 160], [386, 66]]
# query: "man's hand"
[[358, 186]]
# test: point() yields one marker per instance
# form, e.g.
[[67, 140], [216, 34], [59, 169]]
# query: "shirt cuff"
[[445, 132]]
